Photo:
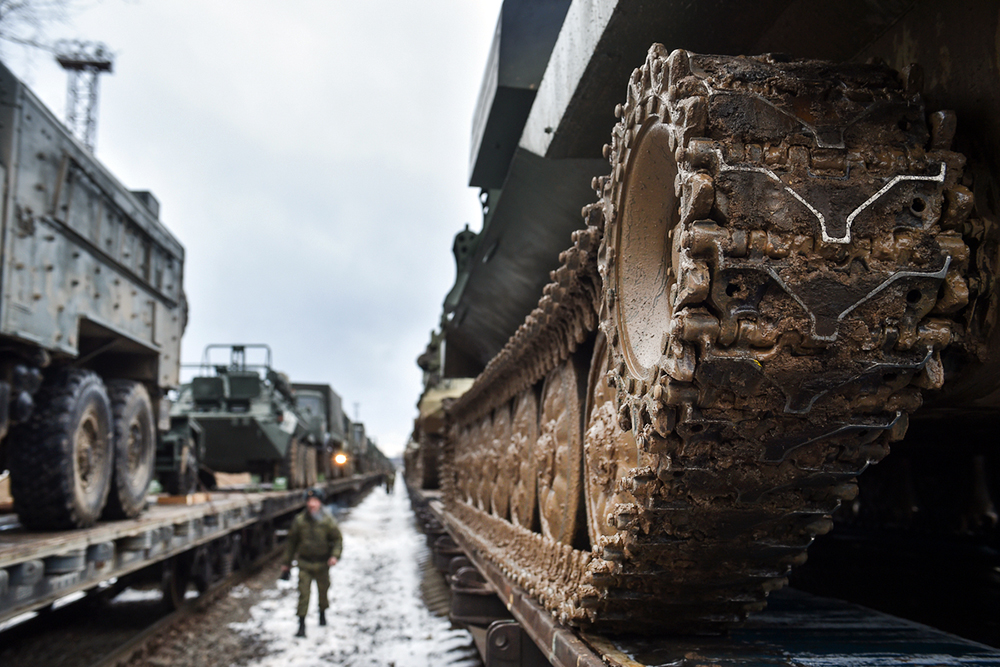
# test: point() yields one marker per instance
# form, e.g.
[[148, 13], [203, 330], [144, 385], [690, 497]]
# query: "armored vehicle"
[[91, 315], [240, 416], [323, 418], [785, 263]]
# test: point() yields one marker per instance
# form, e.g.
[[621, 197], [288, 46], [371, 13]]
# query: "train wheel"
[[224, 552], [267, 537], [502, 463], [175, 581], [523, 439], [202, 573], [559, 453], [609, 452], [135, 448], [60, 459]]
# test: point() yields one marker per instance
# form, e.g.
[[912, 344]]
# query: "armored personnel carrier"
[[785, 265], [91, 316], [240, 416]]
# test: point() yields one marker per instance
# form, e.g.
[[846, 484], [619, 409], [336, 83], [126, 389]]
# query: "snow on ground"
[[376, 616]]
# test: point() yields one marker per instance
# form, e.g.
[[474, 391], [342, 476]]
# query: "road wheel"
[[482, 489], [609, 452], [135, 448], [60, 459], [501, 463], [559, 453], [523, 470]]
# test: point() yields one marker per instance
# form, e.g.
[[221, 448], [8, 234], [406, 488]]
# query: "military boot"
[[322, 616], [302, 627]]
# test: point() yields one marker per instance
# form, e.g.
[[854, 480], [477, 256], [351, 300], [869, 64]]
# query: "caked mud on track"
[[781, 253]]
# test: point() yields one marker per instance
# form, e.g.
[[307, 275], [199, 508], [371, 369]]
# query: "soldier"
[[316, 538]]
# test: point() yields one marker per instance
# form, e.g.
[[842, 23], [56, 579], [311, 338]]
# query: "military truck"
[[92, 310], [240, 416], [323, 418]]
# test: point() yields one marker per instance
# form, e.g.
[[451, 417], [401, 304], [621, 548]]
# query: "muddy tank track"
[[773, 268]]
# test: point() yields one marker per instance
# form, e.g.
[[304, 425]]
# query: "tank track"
[[816, 270]]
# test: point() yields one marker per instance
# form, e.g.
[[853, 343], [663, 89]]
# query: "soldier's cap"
[[315, 493]]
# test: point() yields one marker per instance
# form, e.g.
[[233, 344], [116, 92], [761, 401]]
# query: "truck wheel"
[[135, 448], [182, 484], [60, 459]]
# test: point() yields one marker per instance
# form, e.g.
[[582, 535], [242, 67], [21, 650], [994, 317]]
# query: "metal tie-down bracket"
[[508, 645]]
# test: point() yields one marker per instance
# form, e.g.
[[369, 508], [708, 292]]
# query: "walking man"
[[316, 539]]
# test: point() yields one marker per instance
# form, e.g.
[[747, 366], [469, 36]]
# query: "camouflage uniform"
[[315, 542]]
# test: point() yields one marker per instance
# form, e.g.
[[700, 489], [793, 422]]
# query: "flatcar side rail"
[[796, 629]]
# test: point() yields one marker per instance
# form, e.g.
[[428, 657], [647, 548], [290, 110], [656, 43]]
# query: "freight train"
[[238, 415], [785, 267]]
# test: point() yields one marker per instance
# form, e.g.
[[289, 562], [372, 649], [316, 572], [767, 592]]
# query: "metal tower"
[[83, 62]]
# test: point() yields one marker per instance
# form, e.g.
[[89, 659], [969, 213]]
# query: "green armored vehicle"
[[239, 417]]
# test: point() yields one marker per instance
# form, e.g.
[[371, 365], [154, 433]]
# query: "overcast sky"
[[312, 158]]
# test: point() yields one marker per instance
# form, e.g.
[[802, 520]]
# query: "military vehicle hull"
[[324, 418], [242, 418], [781, 262]]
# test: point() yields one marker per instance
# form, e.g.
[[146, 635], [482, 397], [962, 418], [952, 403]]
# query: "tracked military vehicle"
[[240, 416], [92, 311], [785, 266]]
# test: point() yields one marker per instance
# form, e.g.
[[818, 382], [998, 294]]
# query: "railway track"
[[136, 646], [797, 628]]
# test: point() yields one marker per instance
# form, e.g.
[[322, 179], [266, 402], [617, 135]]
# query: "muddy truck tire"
[[135, 449], [61, 458], [776, 263]]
